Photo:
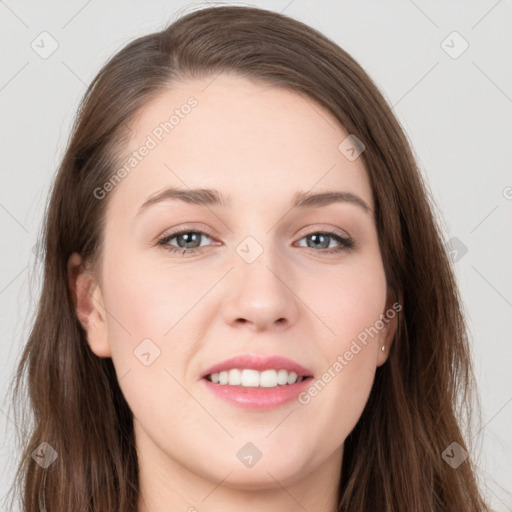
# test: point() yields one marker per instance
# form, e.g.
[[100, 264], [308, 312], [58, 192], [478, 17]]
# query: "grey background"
[[455, 111]]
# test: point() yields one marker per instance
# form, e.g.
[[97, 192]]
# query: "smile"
[[250, 378]]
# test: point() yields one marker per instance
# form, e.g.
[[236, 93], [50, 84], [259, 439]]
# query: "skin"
[[259, 145]]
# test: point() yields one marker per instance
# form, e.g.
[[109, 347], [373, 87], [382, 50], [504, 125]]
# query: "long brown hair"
[[421, 397]]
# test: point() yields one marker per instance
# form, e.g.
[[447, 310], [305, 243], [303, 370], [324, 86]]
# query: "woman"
[[246, 300]]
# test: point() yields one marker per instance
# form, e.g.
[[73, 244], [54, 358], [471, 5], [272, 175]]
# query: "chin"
[[252, 468]]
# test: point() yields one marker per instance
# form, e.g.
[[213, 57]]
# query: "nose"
[[261, 297]]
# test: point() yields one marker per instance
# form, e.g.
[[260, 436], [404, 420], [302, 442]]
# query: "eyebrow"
[[211, 197]]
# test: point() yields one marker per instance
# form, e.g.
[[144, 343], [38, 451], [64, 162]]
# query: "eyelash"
[[347, 243]]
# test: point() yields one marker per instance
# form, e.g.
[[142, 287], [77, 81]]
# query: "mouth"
[[257, 383], [251, 378], [254, 389]]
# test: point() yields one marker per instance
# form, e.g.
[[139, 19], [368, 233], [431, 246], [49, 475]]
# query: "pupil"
[[322, 244], [189, 238]]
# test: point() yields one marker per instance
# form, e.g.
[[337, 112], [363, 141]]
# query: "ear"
[[88, 303], [390, 319]]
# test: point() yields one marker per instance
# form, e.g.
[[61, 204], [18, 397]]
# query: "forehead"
[[253, 141]]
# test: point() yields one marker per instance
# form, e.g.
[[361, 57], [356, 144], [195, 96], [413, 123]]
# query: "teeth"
[[282, 377], [268, 379], [250, 378], [253, 378], [235, 377]]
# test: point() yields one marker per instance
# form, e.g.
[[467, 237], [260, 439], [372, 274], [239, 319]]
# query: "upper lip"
[[259, 363]]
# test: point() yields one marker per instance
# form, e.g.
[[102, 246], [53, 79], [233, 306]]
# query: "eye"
[[322, 240], [187, 241]]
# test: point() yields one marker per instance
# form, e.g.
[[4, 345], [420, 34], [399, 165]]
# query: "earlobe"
[[386, 340], [88, 302]]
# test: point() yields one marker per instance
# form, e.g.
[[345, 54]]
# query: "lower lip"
[[258, 399]]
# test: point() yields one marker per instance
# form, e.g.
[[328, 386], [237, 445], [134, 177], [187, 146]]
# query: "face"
[[188, 282]]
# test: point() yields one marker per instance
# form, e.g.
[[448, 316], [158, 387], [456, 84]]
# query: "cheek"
[[148, 308], [350, 301], [147, 301], [351, 305]]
